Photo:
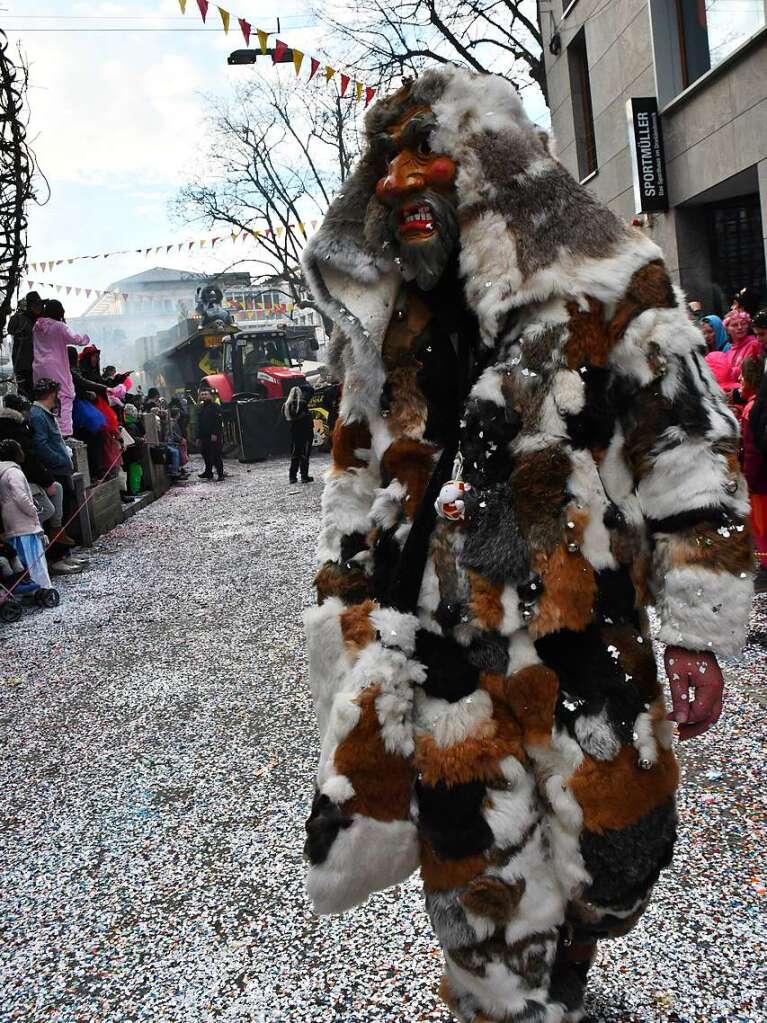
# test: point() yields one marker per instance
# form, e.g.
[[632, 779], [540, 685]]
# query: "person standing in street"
[[20, 327], [50, 338], [530, 451], [296, 411], [209, 426]]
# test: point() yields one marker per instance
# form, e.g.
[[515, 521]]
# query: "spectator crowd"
[[64, 395]]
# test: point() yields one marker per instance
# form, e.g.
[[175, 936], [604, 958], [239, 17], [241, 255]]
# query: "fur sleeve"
[[681, 443], [360, 838]]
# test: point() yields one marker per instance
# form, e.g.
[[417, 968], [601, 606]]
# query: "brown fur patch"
[[569, 591], [407, 408], [348, 438], [704, 546], [445, 875], [649, 288], [532, 695], [411, 462], [491, 897], [485, 601], [635, 658], [350, 584], [356, 627], [617, 793], [401, 335], [477, 757], [589, 340], [537, 487], [383, 782]]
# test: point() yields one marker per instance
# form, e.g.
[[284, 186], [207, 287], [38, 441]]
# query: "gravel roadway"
[[158, 749]]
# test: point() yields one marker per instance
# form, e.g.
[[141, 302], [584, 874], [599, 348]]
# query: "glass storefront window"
[[693, 36]]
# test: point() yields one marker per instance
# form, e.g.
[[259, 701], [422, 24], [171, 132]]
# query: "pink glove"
[[697, 690]]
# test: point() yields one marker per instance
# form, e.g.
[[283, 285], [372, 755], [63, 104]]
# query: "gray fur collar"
[[12, 414]]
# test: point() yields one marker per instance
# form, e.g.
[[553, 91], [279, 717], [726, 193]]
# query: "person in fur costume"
[[530, 450]]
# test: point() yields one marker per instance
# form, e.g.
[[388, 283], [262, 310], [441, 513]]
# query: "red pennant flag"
[[168, 248], [125, 296], [87, 292], [344, 84], [203, 5], [213, 242], [279, 49], [369, 94], [245, 29], [314, 68]]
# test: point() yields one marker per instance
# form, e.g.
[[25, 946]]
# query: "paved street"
[[158, 748]]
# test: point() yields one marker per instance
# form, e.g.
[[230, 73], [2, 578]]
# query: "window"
[[583, 115], [693, 36], [737, 245]]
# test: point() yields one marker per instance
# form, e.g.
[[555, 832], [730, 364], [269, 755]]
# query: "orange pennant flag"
[[298, 59], [262, 39], [358, 87], [224, 19], [329, 72]]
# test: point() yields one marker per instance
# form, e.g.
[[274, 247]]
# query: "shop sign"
[[648, 163]]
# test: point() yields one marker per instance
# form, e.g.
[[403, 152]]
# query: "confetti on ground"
[[158, 751]]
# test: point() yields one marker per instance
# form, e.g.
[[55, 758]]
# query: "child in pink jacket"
[[50, 337], [20, 523]]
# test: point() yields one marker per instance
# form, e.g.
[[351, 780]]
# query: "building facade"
[[702, 65]]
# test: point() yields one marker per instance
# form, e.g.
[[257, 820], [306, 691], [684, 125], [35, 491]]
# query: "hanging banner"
[[280, 47], [648, 162]]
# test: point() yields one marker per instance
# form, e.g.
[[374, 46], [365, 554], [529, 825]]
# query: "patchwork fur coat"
[[508, 735]]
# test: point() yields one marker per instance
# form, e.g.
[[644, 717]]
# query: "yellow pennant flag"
[[182, 5], [298, 59], [203, 243], [224, 19], [262, 38], [358, 87], [280, 231], [34, 266], [329, 72]]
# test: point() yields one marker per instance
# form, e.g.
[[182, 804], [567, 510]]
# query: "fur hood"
[[528, 231]]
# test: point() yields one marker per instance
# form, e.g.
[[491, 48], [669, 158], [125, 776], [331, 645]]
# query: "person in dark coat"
[[296, 411], [20, 328], [209, 428]]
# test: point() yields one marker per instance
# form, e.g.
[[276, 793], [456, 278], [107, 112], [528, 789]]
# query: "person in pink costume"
[[50, 338], [745, 345]]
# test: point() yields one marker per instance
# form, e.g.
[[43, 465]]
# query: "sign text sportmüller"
[[648, 162]]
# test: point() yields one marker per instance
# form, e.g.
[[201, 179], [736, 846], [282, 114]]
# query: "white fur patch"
[[338, 788], [586, 487], [704, 610], [644, 738], [596, 736], [569, 391], [450, 723], [488, 388], [366, 857], [522, 652], [328, 657], [395, 628], [688, 476], [346, 506]]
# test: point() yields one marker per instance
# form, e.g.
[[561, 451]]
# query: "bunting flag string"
[[46, 265], [280, 50]]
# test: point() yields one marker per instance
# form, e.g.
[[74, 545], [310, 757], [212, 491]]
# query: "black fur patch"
[[386, 556], [325, 821], [490, 652], [591, 679], [593, 427], [494, 545], [486, 430], [351, 545], [625, 863], [450, 819], [616, 598], [449, 675]]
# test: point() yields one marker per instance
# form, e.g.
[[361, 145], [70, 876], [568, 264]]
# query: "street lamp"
[[251, 56]]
